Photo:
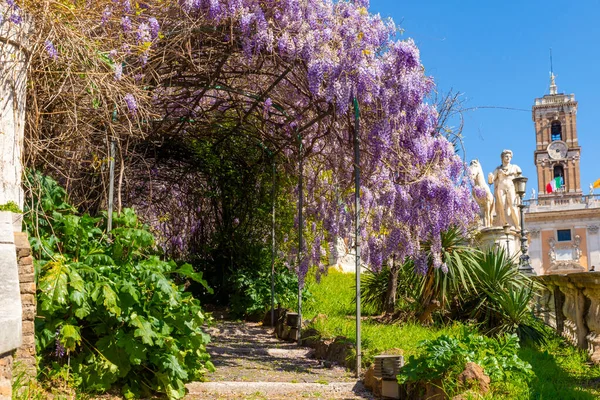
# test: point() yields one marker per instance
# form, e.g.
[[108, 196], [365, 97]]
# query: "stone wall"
[[25, 355], [571, 305], [6, 362]]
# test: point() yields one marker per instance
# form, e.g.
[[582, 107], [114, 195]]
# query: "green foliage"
[[444, 358], [561, 370], [111, 302], [10, 206], [415, 293], [334, 296], [252, 294], [502, 301]]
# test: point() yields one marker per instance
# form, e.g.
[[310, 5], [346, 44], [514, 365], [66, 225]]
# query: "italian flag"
[[554, 184]]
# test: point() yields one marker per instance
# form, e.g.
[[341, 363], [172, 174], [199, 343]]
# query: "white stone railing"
[[571, 305]]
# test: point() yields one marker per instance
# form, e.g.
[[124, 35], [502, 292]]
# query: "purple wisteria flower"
[[118, 71], [143, 33], [106, 15], [126, 24], [479, 192], [60, 350], [154, 27], [51, 50], [131, 103]]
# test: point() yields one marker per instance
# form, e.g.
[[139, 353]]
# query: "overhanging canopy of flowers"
[[282, 71]]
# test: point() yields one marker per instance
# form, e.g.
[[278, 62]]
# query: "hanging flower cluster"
[[286, 72]]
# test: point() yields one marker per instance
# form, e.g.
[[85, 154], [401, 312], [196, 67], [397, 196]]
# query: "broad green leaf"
[[135, 350], [144, 329], [110, 299], [188, 271], [53, 285], [70, 336], [108, 348], [75, 280]]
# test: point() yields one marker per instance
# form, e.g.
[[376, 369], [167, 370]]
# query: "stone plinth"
[[495, 236], [10, 301]]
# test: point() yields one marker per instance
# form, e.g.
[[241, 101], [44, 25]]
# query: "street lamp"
[[506, 229], [520, 183]]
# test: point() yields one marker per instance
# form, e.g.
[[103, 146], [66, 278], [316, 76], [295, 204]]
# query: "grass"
[[561, 370]]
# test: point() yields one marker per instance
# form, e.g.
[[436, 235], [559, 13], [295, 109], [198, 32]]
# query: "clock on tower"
[[557, 149]]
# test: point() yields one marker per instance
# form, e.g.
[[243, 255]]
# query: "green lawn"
[[561, 371]]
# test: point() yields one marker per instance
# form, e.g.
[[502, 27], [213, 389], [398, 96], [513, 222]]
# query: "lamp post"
[[506, 229], [520, 183]]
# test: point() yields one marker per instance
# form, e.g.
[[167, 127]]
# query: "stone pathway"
[[252, 364]]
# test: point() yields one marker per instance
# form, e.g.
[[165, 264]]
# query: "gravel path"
[[252, 364]]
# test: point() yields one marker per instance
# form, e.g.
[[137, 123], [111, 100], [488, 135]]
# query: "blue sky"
[[497, 54]]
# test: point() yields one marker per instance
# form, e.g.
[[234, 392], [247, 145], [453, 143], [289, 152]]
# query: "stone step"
[[276, 390]]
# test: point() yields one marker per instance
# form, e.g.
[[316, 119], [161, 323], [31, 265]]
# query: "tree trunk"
[[389, 304]]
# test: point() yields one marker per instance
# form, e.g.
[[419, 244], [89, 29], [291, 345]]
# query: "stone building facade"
[[562, 222]]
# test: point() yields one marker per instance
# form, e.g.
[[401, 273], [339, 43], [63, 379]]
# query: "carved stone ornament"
[[552, 252], [535, 233], [592, 228]]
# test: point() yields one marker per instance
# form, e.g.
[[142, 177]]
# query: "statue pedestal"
[[495, 236]]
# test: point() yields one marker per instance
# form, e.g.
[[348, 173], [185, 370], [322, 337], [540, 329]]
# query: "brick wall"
[[25, 355], [6, 361]]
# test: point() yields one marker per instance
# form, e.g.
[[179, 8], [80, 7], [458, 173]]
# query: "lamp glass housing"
[[520, 183]]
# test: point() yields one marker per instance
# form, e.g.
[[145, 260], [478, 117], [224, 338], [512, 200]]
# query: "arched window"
[[559, 172], [556, 131]]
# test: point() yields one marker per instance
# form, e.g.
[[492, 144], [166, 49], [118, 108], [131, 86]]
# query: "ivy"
[[110, 303]]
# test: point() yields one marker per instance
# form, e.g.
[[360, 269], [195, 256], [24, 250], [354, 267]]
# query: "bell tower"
[[557, 150]]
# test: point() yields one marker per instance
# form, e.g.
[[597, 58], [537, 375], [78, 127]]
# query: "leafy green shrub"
[[252, 295], [109, 311], [444, 358]]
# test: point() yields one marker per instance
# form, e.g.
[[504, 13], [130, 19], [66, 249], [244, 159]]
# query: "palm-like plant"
[[439, 287], [502, 301]]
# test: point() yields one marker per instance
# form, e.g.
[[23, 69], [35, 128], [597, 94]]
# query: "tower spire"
[[553, 88]]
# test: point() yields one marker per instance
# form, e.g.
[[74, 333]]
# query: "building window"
[[559, 172], [556, 131], [563, 235]]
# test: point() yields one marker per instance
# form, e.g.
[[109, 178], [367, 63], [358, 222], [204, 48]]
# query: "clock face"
[[557, 149]]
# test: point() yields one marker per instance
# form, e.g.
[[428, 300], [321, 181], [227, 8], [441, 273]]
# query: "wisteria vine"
[[285, 72]]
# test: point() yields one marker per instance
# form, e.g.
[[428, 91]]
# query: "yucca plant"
[[502, 301], [375, 287], [440, 287], [426, 293]]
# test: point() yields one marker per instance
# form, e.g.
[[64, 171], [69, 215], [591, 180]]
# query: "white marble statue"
[[505, 198], [482, 193], [591, 189], [532, 194]]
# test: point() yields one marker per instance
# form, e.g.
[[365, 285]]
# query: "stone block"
[[10, 298], [28, 298], [22, 241], [28, 312], [28, 328], [27, 287], [26, 269], [26, 261], [23, 252], [26, 278], [28, 340]]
